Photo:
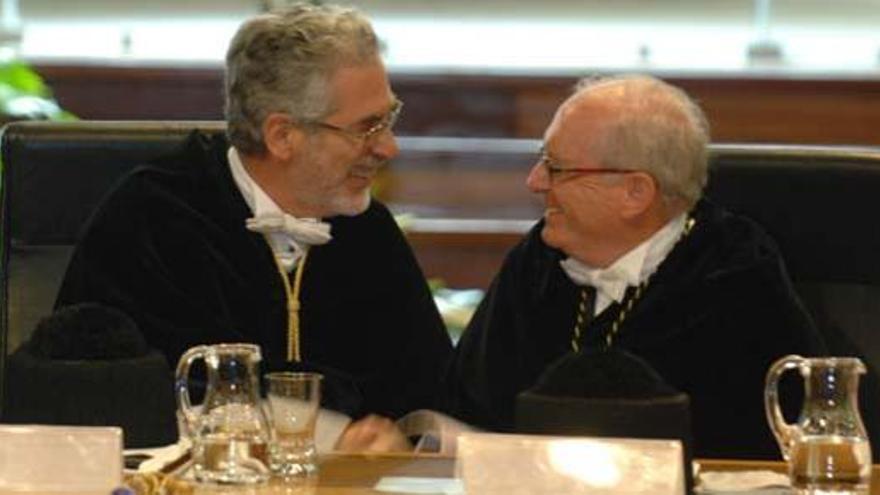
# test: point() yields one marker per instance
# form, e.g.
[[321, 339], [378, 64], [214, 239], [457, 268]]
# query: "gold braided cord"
[[628, 303], [293, 304], [579, 322], [625, 308]]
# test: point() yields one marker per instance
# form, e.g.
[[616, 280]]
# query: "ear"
[[280, 136], [640, 190]]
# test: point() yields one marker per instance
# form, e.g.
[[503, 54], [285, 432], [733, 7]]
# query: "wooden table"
[[358, 474]]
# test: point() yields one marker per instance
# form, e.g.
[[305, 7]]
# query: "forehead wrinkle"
[[595, 111], [380, 114], [635, 99], [582, 122], [342, 77]]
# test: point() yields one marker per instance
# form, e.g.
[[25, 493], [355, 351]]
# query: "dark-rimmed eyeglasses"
[[385, 123], [551, 165]]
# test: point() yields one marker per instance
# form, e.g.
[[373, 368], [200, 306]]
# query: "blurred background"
[[840, 36], [764, 70]]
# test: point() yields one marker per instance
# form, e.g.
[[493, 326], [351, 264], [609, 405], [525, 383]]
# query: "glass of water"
[[294, 401]]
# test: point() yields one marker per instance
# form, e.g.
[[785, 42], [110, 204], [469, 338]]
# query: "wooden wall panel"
[[796, 111], [476, 194], [443, 105], [488, 185], [814, 110], [137, 93], [462, 259], [535, 108]]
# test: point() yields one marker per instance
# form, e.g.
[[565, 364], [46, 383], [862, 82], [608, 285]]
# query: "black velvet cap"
[[607, 393], [89, 365], [605, 374], [87, 331]]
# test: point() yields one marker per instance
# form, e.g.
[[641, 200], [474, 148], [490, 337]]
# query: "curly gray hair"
[[281, 62], [657, 128]]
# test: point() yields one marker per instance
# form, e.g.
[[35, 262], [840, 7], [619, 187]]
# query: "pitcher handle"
[[181, 383], [784, 432]]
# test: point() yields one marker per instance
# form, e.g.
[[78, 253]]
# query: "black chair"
[[54, 175], [818, 204]]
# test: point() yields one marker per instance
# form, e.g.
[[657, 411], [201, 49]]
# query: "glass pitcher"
[[230, 431], [827, 450]]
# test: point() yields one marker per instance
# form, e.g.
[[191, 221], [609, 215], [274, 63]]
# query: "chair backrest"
[[817, 203], [54, 175]]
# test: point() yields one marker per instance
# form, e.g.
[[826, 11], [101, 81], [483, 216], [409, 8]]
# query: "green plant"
[[24, 94]]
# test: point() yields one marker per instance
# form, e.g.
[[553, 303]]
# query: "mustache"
[[371, 164]]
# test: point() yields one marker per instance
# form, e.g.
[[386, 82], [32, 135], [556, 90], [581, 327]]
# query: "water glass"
[[294, 401]]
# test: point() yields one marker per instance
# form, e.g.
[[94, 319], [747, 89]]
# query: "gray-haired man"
[[629, 255], [271, 237]]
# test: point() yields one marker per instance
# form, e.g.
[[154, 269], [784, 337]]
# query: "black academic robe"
[[718, 311], [169, 247]]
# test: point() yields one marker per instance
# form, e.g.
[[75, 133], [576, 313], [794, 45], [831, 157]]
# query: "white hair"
[[656, 128], [281, 62]]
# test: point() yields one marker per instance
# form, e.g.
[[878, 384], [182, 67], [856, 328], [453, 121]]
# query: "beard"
[[351, 204], [338, 188]]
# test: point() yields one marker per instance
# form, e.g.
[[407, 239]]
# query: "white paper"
[[436, 486], [495, 464], [743, 482], [60, 459], [160, 456]]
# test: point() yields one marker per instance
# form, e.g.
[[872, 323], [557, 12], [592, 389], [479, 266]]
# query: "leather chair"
[[54, 175], [817, 203]]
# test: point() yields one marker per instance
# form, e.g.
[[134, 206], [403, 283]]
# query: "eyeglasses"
[[554, 171], [386, 122]]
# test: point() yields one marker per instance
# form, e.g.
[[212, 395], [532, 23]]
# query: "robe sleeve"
[[151, 256], [489, 364], [725, 325], [417, 344]]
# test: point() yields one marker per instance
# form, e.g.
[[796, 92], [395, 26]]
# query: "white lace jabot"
[[631, 269], [288, 236]]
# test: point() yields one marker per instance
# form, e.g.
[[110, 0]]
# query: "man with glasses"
[[270, 236], [628, 255]]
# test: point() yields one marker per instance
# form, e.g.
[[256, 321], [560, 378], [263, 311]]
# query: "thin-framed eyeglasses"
[[554, 171], [384, 123]]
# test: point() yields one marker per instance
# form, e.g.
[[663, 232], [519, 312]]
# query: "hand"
[[373, 434]]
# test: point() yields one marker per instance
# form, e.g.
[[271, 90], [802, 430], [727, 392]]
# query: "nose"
[[384, 146], [538, 180]]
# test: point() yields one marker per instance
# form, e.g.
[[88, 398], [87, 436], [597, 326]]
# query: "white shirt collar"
[[287, 250], [631, 269], [254, 196]]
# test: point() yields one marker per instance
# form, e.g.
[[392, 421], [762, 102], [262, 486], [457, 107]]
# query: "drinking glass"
[[294, 401]]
